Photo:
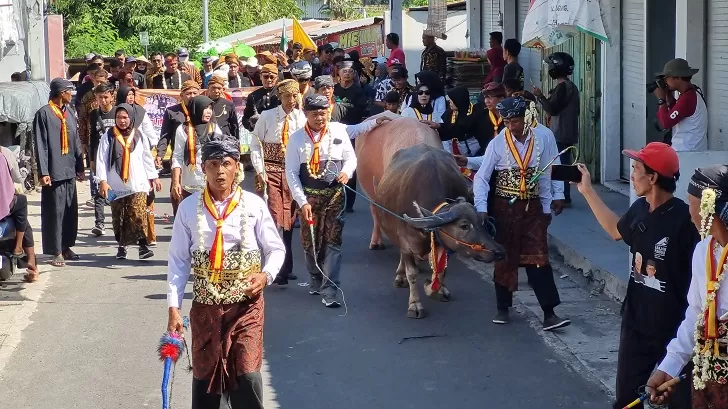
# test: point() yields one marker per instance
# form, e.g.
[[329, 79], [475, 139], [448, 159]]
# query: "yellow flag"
[[300, 36]]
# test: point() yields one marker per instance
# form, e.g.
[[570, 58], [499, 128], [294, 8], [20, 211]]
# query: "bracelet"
[[661, 101]]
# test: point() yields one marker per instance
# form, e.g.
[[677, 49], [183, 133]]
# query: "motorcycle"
[[8, 264], [24, 166]]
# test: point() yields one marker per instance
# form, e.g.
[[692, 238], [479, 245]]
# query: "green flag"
[[284, 40]]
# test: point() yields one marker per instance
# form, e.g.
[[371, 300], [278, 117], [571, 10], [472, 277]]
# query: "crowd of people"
[[305, 116]]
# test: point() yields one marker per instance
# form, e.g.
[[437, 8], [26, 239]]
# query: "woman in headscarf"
[[437, 93], [125, 165], [420, 106], [497, 63], [463, 122], [187, 175], [127, 95]]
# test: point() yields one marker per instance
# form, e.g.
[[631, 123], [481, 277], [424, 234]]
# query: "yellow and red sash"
[[495, 122], [315, 161], [521, 162], [438, 257], [454, 115], [421, 117], [712, 272], [61, 115], [126, 154], [456, 151], [217, 252], [284, 133]]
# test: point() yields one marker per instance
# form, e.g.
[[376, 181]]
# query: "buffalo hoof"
[[401, 282], [442, 295], [416, 310]]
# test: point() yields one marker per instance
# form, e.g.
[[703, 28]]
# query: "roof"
[[270, 33], [458, 5]]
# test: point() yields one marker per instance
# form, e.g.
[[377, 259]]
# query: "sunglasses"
[[423, 92], [327, 51], [269, 76]]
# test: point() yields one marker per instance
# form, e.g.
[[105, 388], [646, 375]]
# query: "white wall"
[[415, 22], [11, 60], [611, 100]]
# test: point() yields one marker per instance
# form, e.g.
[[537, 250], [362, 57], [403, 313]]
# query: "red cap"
[[659, 156]]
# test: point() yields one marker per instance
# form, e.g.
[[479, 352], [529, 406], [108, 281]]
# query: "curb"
[[605, 281]]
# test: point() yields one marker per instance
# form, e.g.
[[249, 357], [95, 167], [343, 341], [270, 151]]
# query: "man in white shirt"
[[703, 334], [522, 206], [268, 154], [227, 239], [319, 160]]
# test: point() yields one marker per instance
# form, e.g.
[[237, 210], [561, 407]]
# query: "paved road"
[[85, 335]]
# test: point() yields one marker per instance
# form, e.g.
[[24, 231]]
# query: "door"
[[585, 51], [530, 58], [634, 79], [716, 85]]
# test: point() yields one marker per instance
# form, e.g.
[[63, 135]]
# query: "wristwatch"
[[269, 277], [661, 101]]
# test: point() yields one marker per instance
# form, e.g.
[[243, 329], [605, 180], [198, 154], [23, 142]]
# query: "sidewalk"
[[576, 237]]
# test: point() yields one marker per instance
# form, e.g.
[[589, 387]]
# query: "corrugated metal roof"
[[270, 33], [458, 5]]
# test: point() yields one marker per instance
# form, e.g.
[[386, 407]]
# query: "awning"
[[552, 22]]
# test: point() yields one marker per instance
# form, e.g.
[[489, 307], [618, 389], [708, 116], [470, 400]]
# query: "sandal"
[[70, 255], [58, 261], [31, 276], [376, 246], [18, 255]]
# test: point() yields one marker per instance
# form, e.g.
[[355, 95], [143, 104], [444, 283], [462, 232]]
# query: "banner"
[[156, 102], [552, 22], [367, 40]]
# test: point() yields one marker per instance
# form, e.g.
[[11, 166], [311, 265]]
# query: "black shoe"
[[280, 280], [145, 252], [330, 302], [554, 321], [98, 231], [501, 317], [292, 277], [350, 210], [121, 253]]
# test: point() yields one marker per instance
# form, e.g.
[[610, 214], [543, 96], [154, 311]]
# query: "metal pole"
[[205, 22]]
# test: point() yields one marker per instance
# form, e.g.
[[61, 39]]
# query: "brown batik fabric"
[[151, 231], [521, 229], [227, 342], [129, 218], [280, 200], [713, 396], [326, 206]]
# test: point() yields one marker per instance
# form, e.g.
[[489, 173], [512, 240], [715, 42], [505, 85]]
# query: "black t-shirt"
[[353, 102], [513, 70], [662, 244], [99, 123]]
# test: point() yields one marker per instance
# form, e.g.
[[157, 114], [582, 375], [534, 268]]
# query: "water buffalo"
[[376, 148], [418, 180]]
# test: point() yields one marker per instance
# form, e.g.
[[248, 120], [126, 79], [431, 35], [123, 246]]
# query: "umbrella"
[[552, 22], [213, 46], [241, 50]]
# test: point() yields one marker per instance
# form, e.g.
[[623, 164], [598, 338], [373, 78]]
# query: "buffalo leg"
[[443, 294], [400, 281], [415, 310], [376, 232]]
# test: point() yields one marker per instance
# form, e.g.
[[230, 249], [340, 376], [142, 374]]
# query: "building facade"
[[643, 35]]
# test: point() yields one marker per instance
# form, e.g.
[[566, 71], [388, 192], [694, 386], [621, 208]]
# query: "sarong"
[[521, 229], [129, 219], [151, 232], [715, 393], [59, 216], [326, 206], [227, 342], [280, 201]]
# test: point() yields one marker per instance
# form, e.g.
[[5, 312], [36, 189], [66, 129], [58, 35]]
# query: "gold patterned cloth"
[[225, 286], [274, 157], [508, 183]]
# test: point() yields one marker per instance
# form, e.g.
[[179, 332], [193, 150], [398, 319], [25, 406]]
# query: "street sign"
[[144, 38]]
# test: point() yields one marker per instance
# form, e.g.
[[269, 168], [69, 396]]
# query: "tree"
[[103, 26]]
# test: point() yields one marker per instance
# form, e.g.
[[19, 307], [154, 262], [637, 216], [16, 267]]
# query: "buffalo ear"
[[421, 211]]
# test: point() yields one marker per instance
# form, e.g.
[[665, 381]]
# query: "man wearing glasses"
[[263, 98]]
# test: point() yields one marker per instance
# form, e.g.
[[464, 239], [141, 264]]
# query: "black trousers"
[[19, 212], [287, 268], [248, 395], [59, 216], [541, 279], [639, 354], [566, 159]]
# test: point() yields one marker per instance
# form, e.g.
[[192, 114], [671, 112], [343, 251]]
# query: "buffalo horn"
[[430, 220]]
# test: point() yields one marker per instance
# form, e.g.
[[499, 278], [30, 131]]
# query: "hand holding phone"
[[566, 173]]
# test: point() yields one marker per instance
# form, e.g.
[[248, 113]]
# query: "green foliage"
[[103, 26], [342, 9]]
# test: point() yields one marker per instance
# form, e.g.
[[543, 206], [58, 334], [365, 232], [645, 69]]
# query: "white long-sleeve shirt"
[[194, 179], [409, 112], [260, 234], [269, 128], [300, 149], [439, 105], [495, 159], [148, 131], [680, 349], [141, 166]]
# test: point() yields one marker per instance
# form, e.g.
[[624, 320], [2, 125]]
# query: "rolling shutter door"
[[633, 78], [716, 87], [530, 58]]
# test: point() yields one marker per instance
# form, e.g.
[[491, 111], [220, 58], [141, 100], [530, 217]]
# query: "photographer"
[[687, 116]]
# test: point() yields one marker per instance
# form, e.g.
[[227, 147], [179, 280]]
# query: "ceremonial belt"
[[224, 286], [273, 155], [508, 184]]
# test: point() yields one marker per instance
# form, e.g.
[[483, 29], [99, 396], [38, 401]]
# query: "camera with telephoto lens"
[[659, 82]]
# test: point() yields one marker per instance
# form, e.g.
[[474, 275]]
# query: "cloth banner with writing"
[[552, 22]]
